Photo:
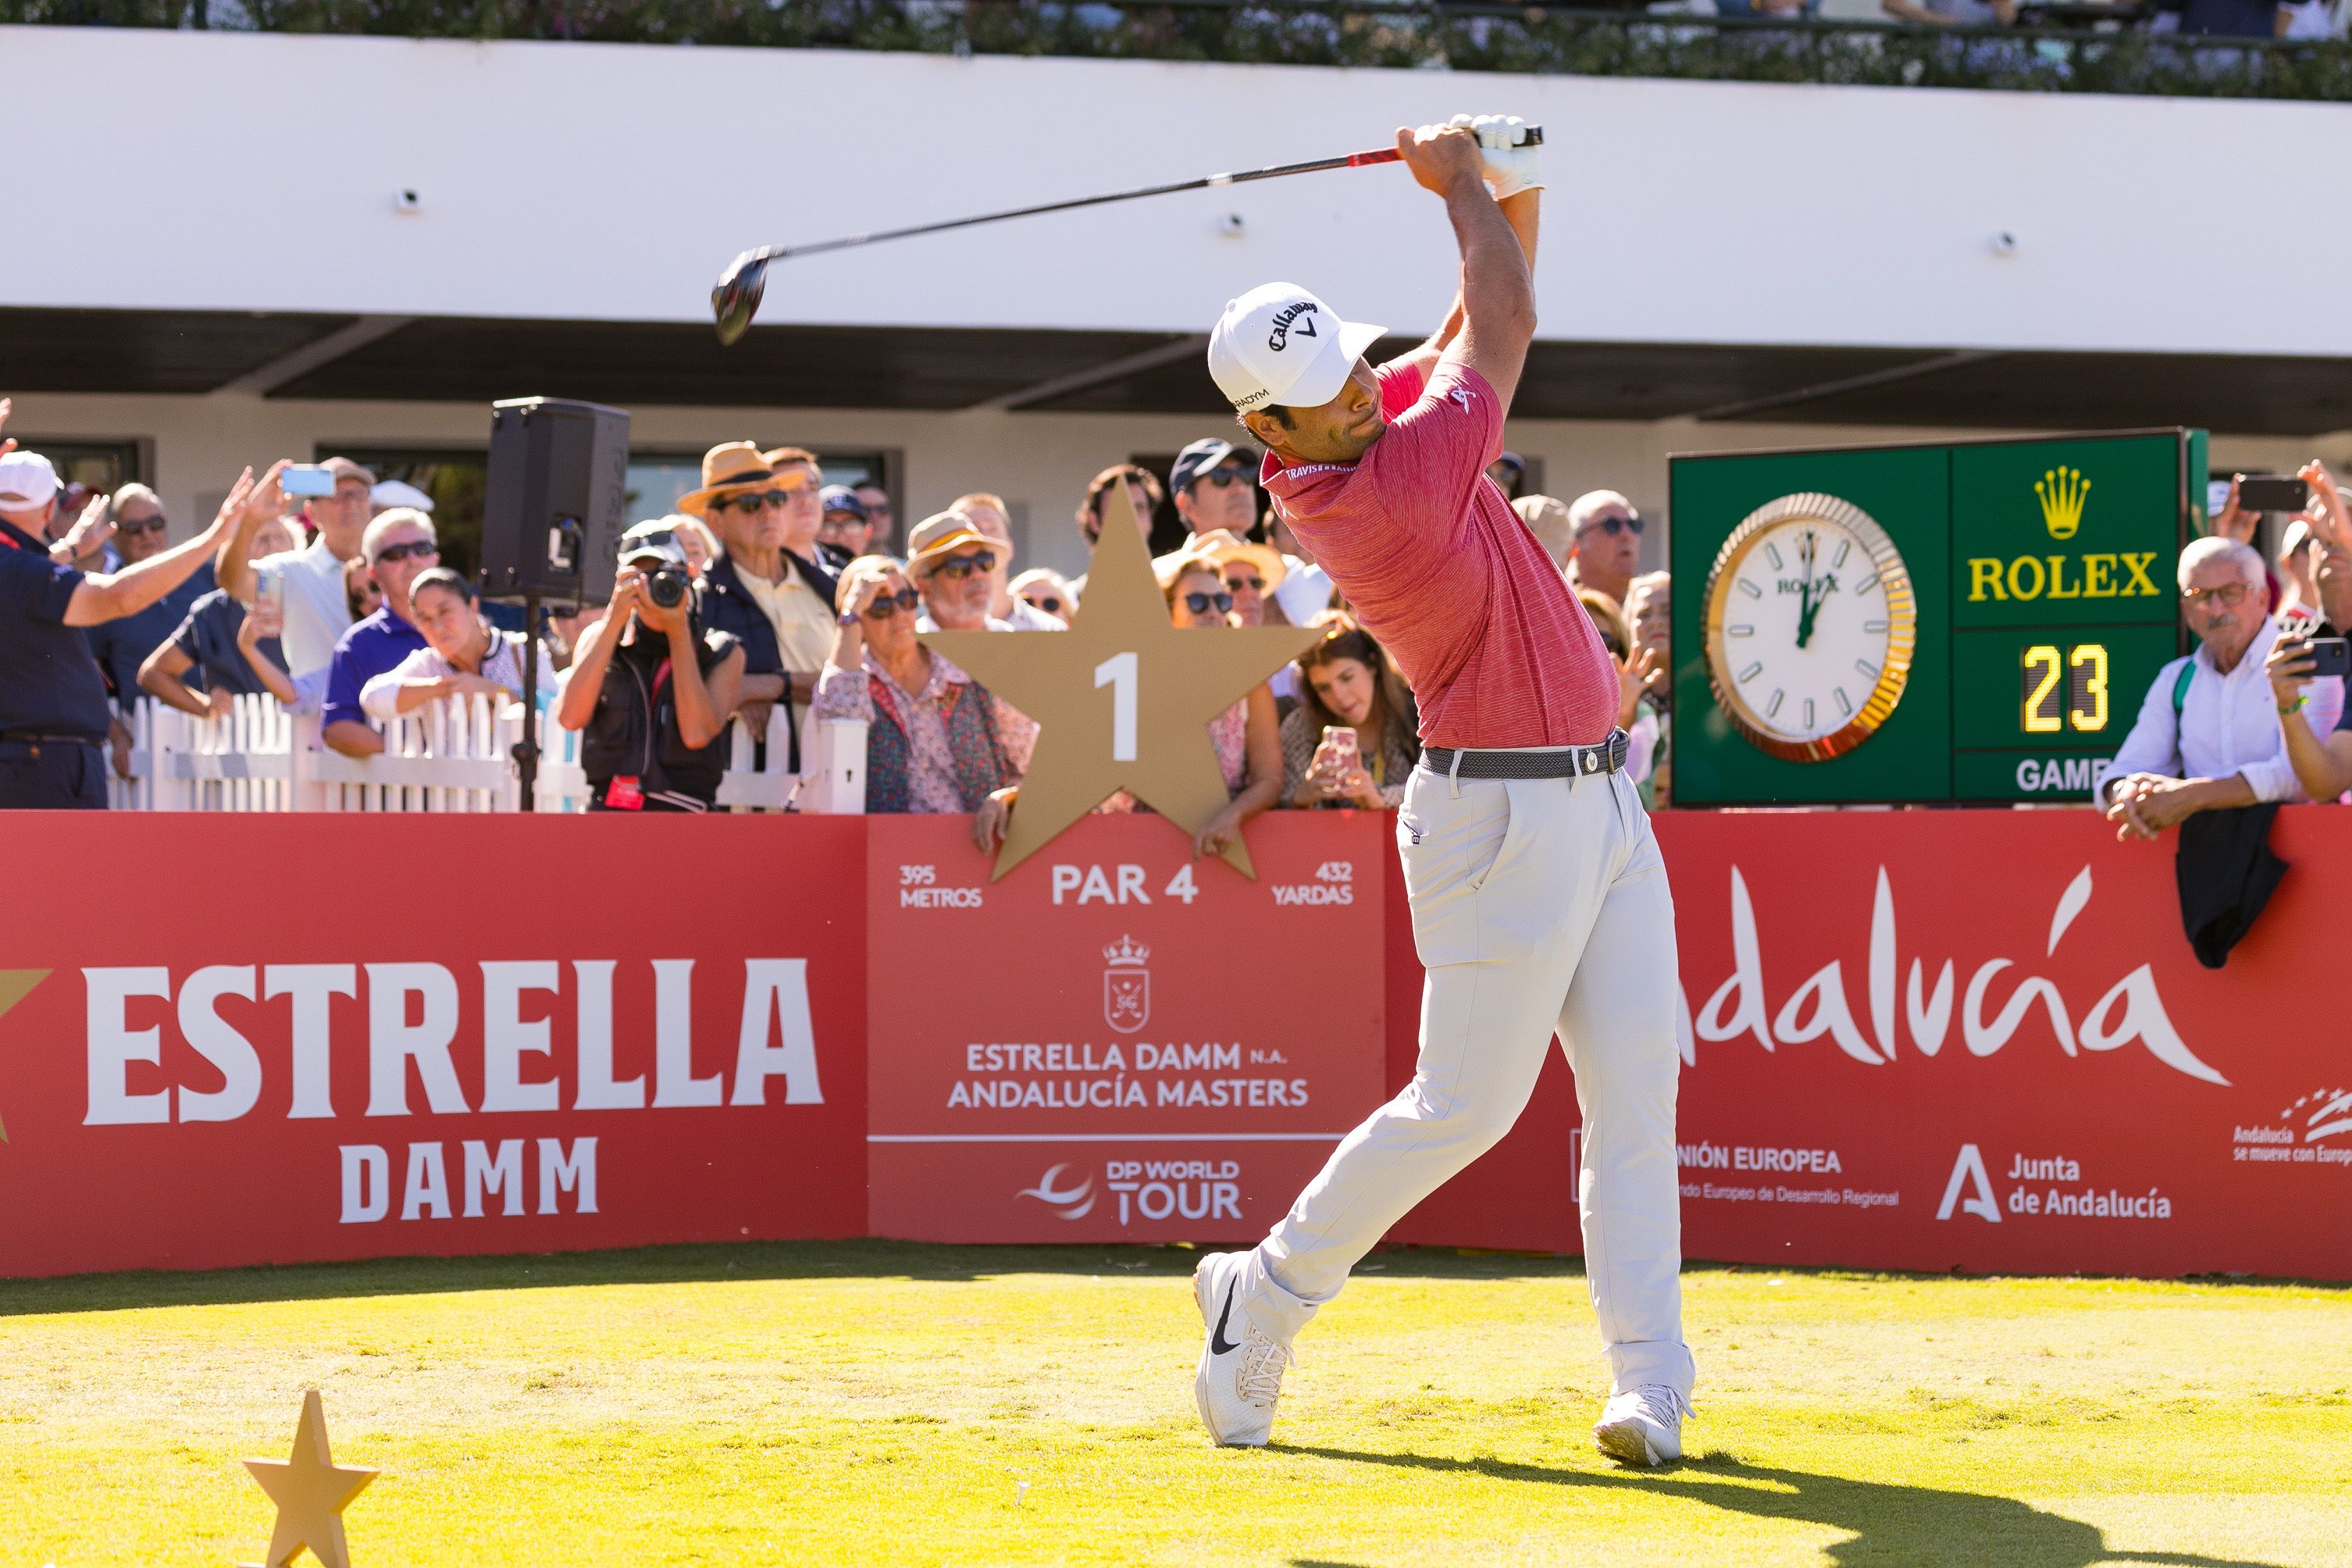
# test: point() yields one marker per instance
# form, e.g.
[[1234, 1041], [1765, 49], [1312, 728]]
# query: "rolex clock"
[[1965, 621], [1810, 625]]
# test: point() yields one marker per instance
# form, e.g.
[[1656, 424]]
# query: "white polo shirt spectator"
[[318, 609]]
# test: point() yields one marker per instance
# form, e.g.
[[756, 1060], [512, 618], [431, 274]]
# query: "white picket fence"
[[452, 755]]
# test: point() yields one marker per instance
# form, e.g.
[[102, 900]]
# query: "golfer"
[[1539, 902]]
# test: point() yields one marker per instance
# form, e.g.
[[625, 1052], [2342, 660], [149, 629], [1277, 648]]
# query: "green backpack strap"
[[2180, 688]]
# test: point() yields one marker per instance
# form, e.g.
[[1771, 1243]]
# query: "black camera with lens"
[[666, 586]]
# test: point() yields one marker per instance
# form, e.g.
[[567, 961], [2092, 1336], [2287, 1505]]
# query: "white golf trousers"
[[1538, 906]]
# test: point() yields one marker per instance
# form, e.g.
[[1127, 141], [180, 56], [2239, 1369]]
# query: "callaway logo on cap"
[[1278, 344]]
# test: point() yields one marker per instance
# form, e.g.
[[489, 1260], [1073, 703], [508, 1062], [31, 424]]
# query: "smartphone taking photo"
[[306, 480], [2273, 493]]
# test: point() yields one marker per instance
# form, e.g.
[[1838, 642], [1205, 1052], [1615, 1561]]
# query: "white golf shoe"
[[1642, 1425], [1242, 1362]]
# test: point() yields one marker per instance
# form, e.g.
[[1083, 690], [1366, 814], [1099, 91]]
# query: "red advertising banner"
[[1977, 1039], [261, 1039], [1117, 1042]]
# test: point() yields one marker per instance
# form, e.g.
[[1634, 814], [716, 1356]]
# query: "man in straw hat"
[[1568, 928], [776, 601]]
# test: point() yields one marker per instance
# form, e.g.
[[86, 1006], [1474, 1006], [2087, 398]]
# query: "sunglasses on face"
[[879, 509], [422, 549], [1202, 604], [1237, 582], [1045, 602], [754, 501], [2228, 596], [1617, 525], [885, 605], [1224, 479], [959, 567], [140, 524]]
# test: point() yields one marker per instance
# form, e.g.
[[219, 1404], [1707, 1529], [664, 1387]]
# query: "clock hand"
[[1806, 608]]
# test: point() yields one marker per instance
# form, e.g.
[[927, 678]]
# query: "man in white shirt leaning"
[[2208, 734], [318, 609]]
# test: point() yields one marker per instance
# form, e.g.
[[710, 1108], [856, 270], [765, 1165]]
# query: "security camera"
[[1232, 226], [406, 200], [2003, 243]]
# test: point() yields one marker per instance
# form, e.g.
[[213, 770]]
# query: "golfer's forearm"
[[1498, 293], [1524, 213]]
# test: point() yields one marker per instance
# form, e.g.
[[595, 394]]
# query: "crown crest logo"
[[1127, 953], [2062, 490]]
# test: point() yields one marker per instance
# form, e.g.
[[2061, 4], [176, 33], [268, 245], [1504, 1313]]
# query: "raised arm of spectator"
[[1262, 778], [261, 623], [99, 599], [160, 675], [1499, 297], [233, 569], [2322, 762], [584, 678], [84, 544]]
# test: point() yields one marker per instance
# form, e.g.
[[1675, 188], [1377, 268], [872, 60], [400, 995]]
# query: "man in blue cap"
[[1214, 484]]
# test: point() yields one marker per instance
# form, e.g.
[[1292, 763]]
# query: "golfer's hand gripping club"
[[736, 299]]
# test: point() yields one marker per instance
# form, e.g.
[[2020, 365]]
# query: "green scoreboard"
[[1975, 621]]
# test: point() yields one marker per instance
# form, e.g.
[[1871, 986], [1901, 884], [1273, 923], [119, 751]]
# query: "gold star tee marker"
[[311, 1492], [15, 985], [1123, 699]]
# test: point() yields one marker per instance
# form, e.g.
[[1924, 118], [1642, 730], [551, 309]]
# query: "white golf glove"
[[1510, 167]]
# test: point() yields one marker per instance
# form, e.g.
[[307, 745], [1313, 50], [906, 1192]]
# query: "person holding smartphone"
[[2321, 757], [1350, 740]]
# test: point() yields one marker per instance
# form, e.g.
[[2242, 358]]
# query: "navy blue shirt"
[[370, 648], [2230, 18], [208, 637], [122, 646], [48, 683]]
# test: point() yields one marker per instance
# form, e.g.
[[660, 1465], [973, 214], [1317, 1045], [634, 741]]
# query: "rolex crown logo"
[[2062, 490]]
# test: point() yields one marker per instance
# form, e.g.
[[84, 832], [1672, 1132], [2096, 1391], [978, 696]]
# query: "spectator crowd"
[[771, 592]]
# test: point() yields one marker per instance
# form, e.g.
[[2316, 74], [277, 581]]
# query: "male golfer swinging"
[[1539, 902]]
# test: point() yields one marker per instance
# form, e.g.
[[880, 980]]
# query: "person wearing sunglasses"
[[1046, 591], [399, 547], [1213, 484], [952, 564], [1604, 542], [2209, 734], [1248, 735], [122, 647], [769, 589], [936, 739], [1252, 572]]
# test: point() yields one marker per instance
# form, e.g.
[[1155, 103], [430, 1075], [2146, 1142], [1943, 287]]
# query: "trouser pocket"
[[1449, 845]]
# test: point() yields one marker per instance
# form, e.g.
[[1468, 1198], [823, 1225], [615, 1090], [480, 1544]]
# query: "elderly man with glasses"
[[1604, 548], [399, 546], [308, 584], [1215, 486], [770, 591], [2208, 734], [120, 646]]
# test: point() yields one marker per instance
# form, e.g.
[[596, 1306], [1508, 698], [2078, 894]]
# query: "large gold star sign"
[[311, 1492], [1123, 699]]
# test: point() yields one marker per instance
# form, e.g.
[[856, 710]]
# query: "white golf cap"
[[398, 492], [26, 480], [1279, 344]]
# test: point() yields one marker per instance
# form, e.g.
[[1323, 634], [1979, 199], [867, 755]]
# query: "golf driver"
[[736, 299]]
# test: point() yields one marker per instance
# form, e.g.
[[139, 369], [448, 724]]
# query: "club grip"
[[1390, 155]]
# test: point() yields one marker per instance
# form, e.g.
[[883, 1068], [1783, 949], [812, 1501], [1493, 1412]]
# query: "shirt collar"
[[23, 540], [2256, 651]]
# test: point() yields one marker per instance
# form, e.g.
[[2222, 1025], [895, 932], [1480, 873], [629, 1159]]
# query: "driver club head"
[[736, 299]]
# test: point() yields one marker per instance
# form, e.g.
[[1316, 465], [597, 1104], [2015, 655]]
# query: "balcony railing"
[[2099, 48]]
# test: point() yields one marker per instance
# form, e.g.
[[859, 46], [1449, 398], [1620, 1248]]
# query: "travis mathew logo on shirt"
[[1302, 314]]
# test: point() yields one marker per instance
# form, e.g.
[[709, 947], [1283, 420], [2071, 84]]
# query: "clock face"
[[1811, 622]]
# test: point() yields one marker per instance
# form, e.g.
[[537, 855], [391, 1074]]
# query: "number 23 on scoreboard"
[[2084, 704]]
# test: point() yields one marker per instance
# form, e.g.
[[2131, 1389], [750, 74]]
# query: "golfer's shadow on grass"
[[1891, 1526]]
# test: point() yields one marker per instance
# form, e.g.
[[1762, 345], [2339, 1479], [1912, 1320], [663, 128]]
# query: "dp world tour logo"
[[1070, 1203], [1126, 985]]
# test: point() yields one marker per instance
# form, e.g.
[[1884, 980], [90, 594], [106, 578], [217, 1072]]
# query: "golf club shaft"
[[1349, 160]]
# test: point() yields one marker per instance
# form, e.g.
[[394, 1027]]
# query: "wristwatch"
[[846, 618]]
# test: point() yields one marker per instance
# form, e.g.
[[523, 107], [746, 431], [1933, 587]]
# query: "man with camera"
[[651, 690]]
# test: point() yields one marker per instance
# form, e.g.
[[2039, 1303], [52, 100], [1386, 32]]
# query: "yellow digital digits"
[[2043, 664]]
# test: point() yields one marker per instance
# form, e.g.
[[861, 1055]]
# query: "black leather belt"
[[1558, 762], [39, 738]]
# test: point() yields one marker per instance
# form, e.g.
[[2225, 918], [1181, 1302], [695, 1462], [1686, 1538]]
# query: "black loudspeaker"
[[556, 501]]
